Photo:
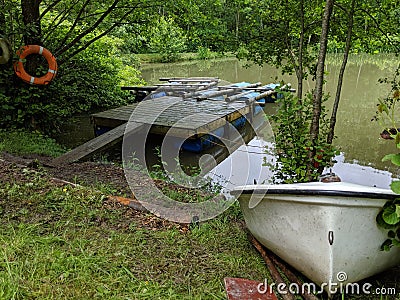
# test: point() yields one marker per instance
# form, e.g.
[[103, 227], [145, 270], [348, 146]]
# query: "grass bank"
[[21, 142], [62, 242], [202, 55], [59, 241]]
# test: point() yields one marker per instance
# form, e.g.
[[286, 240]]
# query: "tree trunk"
[[301, 47], [31, 19], [32, 36], [332, 124], [2, 18], [33, 32], [237, 24], [319, 82]]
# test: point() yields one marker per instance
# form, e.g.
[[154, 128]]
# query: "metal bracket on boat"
[[330, 237]]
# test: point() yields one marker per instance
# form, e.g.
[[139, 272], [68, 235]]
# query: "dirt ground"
[[88, 174], [84, 173]]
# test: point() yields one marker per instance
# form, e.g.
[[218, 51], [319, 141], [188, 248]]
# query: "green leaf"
[[395, 186], [397, 138], [390, 216], [381, 222], [383, 108], [387, 157], [394, 158], [396, 242], [386, 245]]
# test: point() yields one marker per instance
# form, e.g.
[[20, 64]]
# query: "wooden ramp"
[[97, 144]]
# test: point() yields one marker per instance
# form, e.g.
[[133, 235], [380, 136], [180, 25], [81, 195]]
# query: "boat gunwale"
[[315, 189], [319, 193]]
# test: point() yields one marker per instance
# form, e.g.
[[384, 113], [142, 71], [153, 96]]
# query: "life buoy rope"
[[5, 51], [35, 49]]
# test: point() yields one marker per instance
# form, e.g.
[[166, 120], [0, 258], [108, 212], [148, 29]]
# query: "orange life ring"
[[35, 49]]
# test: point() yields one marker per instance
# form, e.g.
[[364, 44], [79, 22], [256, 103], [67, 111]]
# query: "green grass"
[[58, 242], [63, 242], [22, 142]]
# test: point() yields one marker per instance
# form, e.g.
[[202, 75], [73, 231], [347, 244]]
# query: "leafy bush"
[[389, 216], [90, 80], [167, 39], [293, 141], [204, 53]]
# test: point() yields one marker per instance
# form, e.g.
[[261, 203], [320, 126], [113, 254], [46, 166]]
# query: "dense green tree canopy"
[[95, 43]]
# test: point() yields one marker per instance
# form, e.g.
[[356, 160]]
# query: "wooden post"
[[272, 262], [271, 267]]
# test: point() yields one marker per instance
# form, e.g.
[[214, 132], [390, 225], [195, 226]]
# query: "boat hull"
[[332, 239]]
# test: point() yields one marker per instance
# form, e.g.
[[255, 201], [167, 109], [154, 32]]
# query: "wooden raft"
[[173, 115], [187, 117]]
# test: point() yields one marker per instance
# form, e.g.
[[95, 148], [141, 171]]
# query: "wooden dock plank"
[[101, 142], [191, 79], [166, 111]]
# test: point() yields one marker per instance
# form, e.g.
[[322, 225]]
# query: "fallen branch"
[[291, 276], [271, 267], [136, 205]]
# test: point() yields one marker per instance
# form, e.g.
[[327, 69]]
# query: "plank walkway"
[[99, 143], [172, 115]]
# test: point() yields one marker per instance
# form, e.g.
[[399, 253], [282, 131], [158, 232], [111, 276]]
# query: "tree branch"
[[380, 29], [48, 8], [78, 38], [2, 18], [63, 16], [300, 70], [341, 7], [331, 133], [87, 44], [64, 40]]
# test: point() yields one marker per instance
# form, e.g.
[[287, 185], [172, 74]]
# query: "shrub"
[[293, 141], [167, 39], [90, 80]]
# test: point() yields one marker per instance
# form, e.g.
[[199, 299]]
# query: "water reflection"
[[229, 173], [360, 174], [244, 166], [357, 137]]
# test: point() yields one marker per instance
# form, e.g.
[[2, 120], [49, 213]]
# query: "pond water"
[[358, 137]]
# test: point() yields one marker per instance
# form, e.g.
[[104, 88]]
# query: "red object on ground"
[[245, 289]]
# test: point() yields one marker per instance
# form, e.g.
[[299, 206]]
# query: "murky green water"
[[357, 137]]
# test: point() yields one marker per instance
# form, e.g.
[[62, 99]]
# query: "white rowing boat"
[[327, 231]]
